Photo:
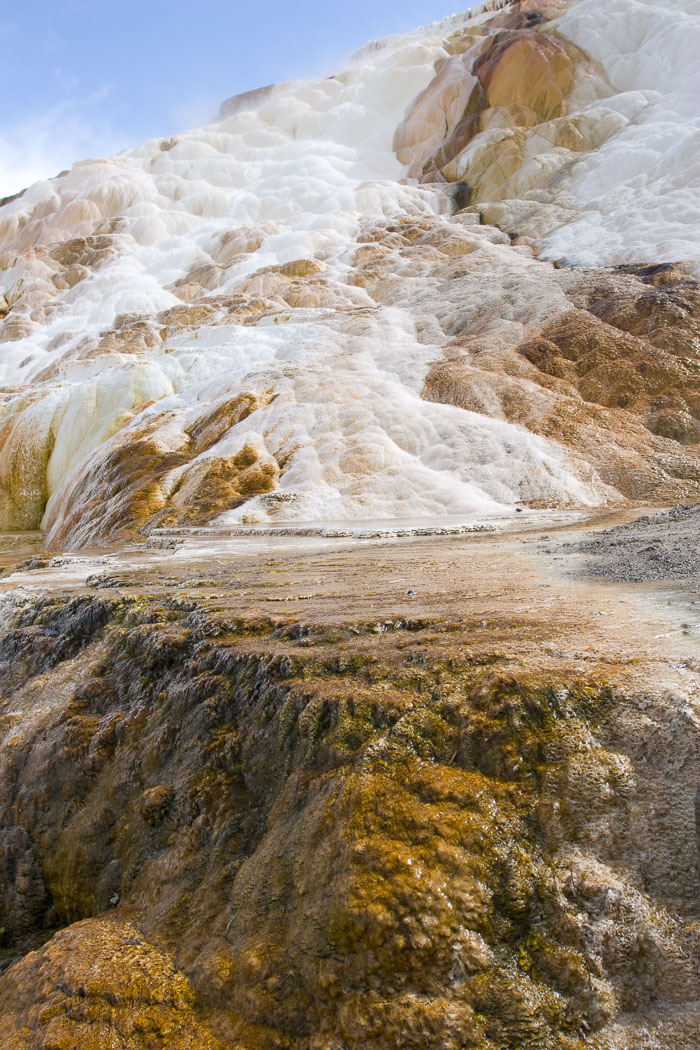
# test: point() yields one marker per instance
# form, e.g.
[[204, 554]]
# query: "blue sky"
[[87, 77]]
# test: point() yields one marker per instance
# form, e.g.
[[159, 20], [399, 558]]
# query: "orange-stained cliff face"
[[509, 73], [573, 124]]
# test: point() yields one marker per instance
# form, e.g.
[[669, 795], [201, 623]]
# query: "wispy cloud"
[[48, 142]]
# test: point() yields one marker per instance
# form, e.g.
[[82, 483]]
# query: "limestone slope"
[[335, 301]]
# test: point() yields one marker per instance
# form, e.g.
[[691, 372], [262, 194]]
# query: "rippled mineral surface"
[[349, 532]]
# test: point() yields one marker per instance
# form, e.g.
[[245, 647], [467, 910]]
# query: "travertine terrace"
[[341, 300], [349, 677]]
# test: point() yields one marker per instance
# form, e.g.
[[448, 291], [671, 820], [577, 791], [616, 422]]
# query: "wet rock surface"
[[465, 820]]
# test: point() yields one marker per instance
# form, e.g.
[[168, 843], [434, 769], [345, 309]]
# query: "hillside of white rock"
[[308, 739], [456, 276]]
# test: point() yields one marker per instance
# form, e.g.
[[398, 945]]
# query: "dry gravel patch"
[[664, 546]]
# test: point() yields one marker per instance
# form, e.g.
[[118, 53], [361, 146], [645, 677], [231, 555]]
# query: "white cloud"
[[40, 147]]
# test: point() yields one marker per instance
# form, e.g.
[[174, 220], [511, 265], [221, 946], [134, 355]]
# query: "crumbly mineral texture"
[[268, 832], [654, 547]]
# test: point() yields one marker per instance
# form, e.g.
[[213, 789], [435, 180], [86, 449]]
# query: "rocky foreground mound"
[[225, 827]]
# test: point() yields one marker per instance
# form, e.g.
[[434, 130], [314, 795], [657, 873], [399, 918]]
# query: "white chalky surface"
[[303, 169]]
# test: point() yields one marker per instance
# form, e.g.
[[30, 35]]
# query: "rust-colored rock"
[[527, 68], [100, 984], [632, 351], [222, 483], [520, 77], [377, 837]]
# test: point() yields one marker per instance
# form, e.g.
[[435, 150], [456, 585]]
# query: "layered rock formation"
[[304, 311], [446, 798], [271, 831]]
